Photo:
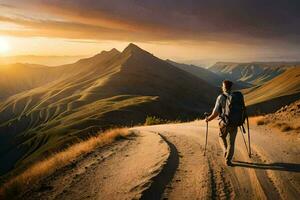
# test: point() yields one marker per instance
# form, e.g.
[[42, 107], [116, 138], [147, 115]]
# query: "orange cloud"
[[156, 20], [198, 21]]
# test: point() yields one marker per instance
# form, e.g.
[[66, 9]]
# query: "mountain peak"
[[114, 50], [100, 55], [132, 48]]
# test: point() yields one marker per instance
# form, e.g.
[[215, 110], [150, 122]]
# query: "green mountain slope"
[[110, 89], [281, 90], [16, 78]]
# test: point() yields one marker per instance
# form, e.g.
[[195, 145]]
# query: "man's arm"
[[216, 110], [212, 116]]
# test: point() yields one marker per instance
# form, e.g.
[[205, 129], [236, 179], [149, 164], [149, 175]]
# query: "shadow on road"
[[161, 180], [290, 167]]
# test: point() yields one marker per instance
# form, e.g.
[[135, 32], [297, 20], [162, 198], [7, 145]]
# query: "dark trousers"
[[227, 136]]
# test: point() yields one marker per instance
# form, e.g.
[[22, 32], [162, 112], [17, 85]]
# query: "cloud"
[[144, 20], [69, 29]]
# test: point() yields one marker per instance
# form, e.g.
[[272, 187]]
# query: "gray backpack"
[[234, 113]]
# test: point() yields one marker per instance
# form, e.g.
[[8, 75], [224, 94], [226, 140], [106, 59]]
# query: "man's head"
[[226, 86]]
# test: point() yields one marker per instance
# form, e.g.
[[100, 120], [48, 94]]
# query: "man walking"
[[230, 108]]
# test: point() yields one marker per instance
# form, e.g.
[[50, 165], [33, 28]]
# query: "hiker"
[[230, 108]]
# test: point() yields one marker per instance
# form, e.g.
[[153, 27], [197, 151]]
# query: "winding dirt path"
[[167, 162], [273, 171]]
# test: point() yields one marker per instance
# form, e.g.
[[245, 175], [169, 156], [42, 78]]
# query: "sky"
[[189, 30]]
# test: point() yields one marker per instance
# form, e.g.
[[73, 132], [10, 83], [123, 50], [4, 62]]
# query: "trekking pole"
[[206, 114], [242, 131], [248, 137]]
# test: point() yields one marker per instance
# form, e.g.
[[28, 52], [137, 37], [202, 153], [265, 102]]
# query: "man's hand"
[[207, 119], [211, 117]]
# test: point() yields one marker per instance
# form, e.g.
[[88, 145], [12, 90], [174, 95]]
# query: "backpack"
[[234, 112]]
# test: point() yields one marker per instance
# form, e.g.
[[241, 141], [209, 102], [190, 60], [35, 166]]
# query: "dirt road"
[[167, 162]]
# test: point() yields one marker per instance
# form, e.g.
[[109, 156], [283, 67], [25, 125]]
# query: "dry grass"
[[282, 126], [46, 167], [259, 120], [285, 127], [152, 120]]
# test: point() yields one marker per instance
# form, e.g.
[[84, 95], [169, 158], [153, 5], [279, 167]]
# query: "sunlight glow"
[[4, 45]]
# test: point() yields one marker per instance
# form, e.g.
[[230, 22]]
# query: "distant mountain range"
[[16, 78], [255, 73], [51, 107], [209, 76], [200, 72], [39, 60]]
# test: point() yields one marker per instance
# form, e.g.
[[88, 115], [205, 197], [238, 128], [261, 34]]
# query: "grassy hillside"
[[277, 92], [110, 89], [16, 78], [40, 170], [256, 73]]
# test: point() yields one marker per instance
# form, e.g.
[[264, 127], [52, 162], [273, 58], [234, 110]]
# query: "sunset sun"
[[4, 45]]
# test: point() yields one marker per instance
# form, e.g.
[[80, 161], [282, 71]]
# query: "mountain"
[[207, 75], [16, 78], [255, 73], [77, 100], [279, 91], [200, 72]]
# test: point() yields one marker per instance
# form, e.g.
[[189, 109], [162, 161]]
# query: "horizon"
[[74, 58]]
